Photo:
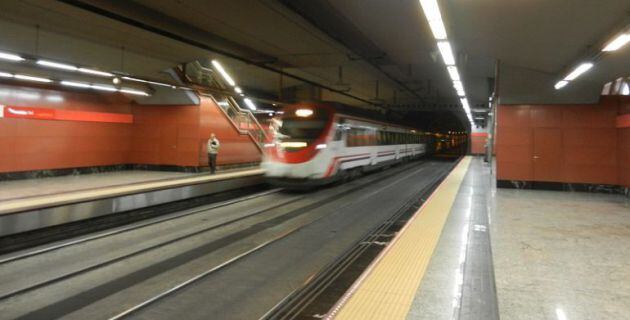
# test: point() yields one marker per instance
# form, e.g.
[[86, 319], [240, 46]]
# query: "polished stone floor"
[[561, 255], [555, 255], [15, 189]]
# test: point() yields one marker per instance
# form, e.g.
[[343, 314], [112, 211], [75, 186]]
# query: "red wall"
[[42, 144], [159, 135], [560, 143], [165, 135], [478, 142]]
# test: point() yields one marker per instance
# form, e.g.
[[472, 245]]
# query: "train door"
[[547, 157]]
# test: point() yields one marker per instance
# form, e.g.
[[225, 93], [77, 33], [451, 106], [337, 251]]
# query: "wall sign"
[[63, 115]]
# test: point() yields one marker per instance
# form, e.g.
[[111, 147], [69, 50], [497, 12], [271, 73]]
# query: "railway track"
[[185, 248]]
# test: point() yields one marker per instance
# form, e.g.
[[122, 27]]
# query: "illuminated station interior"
[[315, 159]]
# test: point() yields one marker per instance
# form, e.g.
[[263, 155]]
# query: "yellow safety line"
[[387, 288]]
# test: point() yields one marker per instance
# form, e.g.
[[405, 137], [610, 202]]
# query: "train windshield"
[[302, 128]]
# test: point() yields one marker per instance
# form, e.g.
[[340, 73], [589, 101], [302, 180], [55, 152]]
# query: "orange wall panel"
[[159, 135], [582, 143], [478, 143]]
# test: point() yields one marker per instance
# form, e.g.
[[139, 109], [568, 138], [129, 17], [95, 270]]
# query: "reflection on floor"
[[556, 255], [561, 255]]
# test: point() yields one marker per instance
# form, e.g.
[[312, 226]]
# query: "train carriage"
[[316, 144]]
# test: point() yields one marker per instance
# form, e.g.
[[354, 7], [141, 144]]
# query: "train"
[[318, 143]]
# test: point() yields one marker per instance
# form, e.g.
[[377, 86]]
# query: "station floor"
[[26, 188], [501, 253]]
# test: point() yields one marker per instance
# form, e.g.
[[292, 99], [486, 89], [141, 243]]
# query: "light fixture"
[[116, 80], [303, 112], [578, 71], [134, 92], [238, 90], [5, 75], [446, 52], [54, 98], [432, 13], [10, 57], [31, 78], [250, 104], [223, 73], [561, 84], [459, 86], [149, 82], [56, 65], [75, 84], [452, 71], [96, 72], [103, 87], [617, 43], [293, 144], [28, 95]]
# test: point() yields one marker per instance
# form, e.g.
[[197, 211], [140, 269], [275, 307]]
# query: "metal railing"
[[244, 120]]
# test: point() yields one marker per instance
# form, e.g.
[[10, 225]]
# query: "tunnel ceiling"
[[366, 52]]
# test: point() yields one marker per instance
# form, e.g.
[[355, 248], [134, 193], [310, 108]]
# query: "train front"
[[300, 155]]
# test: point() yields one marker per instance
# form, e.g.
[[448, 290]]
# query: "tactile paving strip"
[[387, 288]]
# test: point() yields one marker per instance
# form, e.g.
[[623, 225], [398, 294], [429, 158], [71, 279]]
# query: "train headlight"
[[320, 146], [304, 112]]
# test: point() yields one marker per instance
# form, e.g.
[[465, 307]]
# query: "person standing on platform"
[[213, 151]]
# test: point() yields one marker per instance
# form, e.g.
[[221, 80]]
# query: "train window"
[[339, 129], [303, 128]]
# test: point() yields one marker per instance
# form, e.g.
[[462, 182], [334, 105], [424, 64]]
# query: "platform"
[[548, 252], [72, 198]]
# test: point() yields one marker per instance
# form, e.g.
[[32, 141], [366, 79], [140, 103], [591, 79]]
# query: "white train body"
[[316, 144]]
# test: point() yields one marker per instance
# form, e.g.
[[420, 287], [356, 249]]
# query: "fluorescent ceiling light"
[[56, 65], [578, 71], [96, 72], [447, 52], [432, 13], [238, 90], [617, 43], [54, 98], [10, 57], [452, 71], [103, 88], [223, 73], [134, 92], [28, 95], [459, 87], [561, 84], [31, 78], [5, 75], [465, 104], [250, 104], [150, 82], [75, 84]]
